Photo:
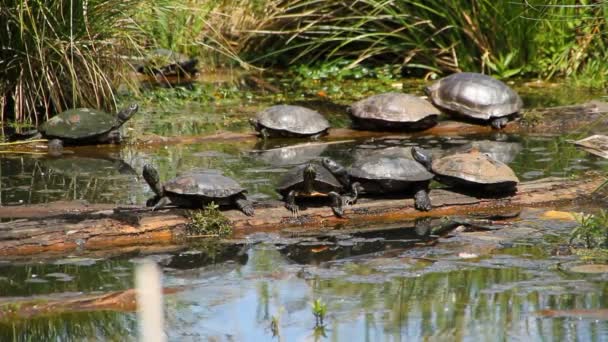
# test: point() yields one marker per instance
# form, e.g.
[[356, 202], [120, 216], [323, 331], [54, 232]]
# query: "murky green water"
[[383, 286]]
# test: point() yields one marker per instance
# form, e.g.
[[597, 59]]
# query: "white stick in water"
[[149, 302]]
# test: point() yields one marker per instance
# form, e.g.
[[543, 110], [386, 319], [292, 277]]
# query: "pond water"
[[386, 285]]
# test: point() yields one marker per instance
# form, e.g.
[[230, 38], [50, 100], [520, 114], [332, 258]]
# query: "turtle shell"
[[390, 168], [80, 123], [207, 183], [324, 179], [475, 168], [475, 95], [390, 110], [293, 119]]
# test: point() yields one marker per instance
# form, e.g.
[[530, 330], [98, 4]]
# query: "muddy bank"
[[35, 231]]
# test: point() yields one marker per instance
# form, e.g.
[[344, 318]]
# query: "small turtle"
[[311, 180], [197, 189], [393, 111], [385, 174], [163, 62], [476, 96], [85, 126], [289, 121], [472, 171]]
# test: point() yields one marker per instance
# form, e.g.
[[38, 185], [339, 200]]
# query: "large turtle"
[[197, 189], [393, 111], [289, 121], [471, 171], [385, 174], [311, 180], [83, 126], [476, 96]]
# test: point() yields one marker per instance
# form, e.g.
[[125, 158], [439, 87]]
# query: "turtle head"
[[126, 113], [55, 147], [423, 157], [254, 123], [309, 175], [152, 178]]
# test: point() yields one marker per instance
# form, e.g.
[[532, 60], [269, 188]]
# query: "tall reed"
[[60, 54], [537, 36]]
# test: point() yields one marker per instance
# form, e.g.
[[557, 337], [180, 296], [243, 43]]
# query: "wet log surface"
[[54, 230]]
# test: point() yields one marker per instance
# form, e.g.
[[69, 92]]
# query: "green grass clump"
[[209, 221], [592, 230]]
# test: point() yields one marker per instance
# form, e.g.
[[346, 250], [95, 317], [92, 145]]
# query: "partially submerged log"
[[63, 231], [563, 119]]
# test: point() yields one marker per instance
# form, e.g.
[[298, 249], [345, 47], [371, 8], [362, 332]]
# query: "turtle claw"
[[295, 210]]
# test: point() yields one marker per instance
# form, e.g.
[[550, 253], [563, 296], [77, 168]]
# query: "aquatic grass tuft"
[[592, 230], [319, 310], [209, 222]]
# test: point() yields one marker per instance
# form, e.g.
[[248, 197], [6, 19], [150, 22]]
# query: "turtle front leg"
[[351, 198], [422, 201], [499, 123], [290, 203], [264, 133], [163, 201], [337, 203], [244, 205]]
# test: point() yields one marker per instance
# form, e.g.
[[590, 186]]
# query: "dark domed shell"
[[79, 124], [475, 95], [393, 107], [296, 176], [476, 168], [204, 183], [294, 119], [390, 167]]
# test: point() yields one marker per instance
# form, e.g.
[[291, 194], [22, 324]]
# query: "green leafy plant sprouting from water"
[[319, 310], [592, 230], [209, 221]]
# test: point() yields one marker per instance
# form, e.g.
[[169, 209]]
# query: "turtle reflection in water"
[[197, 189], [311, 180]]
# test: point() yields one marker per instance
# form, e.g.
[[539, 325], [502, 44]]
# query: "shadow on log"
[[35, 232]]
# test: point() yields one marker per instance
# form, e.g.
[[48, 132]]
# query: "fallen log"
[[63, 231]]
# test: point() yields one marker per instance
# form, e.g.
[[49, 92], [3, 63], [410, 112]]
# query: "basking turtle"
[[476, 96], [472, 171], [311, 180], [289, 121], [163, 62], [393, 111], [197, 189], [83, 126], [385, 174]]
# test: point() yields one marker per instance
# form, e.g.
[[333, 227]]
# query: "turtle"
[[289, 121], [472, 171], [393, 111], [385, 174], [82, 126], [164, 62], [311, 180], [196, 189], [476, 96]]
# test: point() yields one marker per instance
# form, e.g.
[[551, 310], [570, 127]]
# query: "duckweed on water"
[[209, 221]]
